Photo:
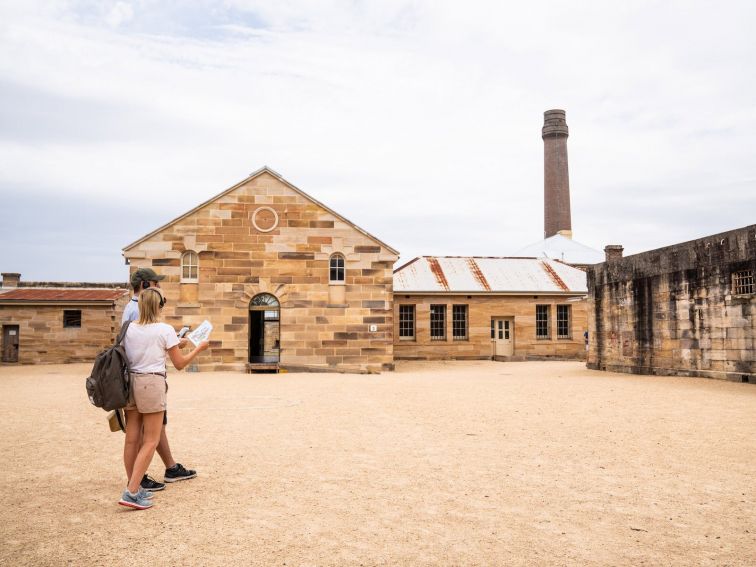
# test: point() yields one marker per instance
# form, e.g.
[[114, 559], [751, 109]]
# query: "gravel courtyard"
[[459, 463]]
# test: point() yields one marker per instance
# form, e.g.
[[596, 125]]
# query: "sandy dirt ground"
[[458, 463]]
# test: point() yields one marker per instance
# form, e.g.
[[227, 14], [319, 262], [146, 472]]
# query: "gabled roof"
[[61, 295], [560, 247], [263, 169], [473, 274]]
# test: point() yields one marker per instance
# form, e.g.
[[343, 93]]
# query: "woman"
[[146, 343]]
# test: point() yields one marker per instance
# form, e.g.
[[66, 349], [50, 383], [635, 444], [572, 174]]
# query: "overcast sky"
[[420, 121]]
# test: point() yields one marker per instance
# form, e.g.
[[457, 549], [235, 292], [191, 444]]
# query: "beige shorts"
[[149, 393]]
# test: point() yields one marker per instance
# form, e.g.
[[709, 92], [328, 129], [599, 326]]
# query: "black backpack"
[[109, 385]]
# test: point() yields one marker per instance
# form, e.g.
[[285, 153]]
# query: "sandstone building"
[[284, 280], [48, 322], [687, 309], [483, 308]]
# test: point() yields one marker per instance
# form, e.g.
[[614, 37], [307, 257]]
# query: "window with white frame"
[[337, 273], [564, 330], [459, 322], [407, 322], [542, 321], [438, 322], [742, 282], [189, 267]]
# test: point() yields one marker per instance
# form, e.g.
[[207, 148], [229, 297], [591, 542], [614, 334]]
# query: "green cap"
[[144, 275]]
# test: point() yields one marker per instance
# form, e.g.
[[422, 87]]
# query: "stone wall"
[[322, 326], [674, 311], [481, 309], [44, 340]]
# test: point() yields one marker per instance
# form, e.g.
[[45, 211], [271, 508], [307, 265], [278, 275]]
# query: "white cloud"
[[418, 120], [120, 13]]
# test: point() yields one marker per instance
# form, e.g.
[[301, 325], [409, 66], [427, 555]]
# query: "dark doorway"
[[10, 343], [264, 329]]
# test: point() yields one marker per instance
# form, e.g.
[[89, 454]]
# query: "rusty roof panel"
[[554, 276], [475, 269], [62, 295], [495, 275], [435, 268]]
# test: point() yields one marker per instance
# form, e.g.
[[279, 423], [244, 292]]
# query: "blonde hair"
[[149, 306]]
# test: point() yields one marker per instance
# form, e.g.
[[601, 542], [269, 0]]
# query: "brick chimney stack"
[[556, 178], [10, 279], [613, 252]]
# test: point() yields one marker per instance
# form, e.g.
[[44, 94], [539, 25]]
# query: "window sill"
[[189, 281], [408, 339], [336, 283]]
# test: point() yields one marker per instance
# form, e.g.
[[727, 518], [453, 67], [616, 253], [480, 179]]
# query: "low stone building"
[[686, 309], [484, 308], [285, 280], [54, 322]]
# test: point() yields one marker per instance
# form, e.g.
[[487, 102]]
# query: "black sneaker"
[[178, 472], [151, 484]]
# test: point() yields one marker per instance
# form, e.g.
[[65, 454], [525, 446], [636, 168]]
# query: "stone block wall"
[[322, 326], [481, 309], [44, 340], [674, 310]]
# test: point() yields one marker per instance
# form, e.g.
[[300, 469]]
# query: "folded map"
[[201, 333]]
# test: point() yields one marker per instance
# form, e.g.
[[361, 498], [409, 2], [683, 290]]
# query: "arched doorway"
[[264, 329]]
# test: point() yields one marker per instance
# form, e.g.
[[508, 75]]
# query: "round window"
[[265, 219]]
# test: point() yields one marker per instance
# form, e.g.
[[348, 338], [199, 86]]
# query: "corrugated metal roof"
[[560, 247], [494, 275], [61, 295]]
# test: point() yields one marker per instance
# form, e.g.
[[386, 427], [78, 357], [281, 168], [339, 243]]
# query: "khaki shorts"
[[149, 393]]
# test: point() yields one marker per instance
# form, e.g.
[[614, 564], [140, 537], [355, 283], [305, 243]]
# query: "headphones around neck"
[[148, 288]]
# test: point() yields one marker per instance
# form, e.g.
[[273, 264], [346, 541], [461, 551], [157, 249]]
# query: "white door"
[[502, 335]]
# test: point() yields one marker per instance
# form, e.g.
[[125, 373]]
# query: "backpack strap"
[[124, 328]]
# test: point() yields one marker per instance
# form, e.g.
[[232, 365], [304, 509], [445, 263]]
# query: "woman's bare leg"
[[132, 442], [152, 423]]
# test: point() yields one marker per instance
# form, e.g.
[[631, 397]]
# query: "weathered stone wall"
[[673, 310], [322, 326], [44, 340], [481, 309]]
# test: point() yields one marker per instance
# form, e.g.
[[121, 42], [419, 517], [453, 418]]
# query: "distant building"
[[478, 308], [558, 247], [687, 309], [57, 322]]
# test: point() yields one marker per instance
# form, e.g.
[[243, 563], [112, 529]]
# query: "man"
[[142, 279]]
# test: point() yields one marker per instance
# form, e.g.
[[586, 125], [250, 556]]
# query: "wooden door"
[[502, 334], [10, 343]]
